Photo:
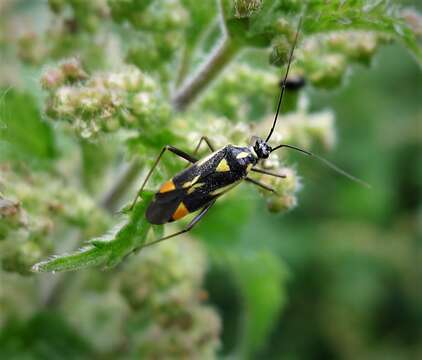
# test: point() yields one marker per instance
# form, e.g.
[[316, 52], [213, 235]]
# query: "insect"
[[294, 83], [197, 187]]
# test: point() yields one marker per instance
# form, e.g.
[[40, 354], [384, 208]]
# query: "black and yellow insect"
[[199, 186]]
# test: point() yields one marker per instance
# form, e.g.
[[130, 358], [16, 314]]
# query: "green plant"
[[111, 95]]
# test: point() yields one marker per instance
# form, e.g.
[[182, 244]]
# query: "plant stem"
[[111, 199], [223, 53], [184, 65], [193, 86]]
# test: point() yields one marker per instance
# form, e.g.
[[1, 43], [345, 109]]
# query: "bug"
[[197, 187]]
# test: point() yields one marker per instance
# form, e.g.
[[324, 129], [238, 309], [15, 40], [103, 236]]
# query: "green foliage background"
[[90, 92]]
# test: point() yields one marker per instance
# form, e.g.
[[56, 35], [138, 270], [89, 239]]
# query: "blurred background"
[[332, 271]]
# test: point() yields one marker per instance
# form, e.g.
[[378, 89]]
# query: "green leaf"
[[380, 16], [323, 16], [23, 134], [109, 250]]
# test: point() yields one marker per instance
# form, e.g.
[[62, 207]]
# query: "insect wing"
[[164, 206]]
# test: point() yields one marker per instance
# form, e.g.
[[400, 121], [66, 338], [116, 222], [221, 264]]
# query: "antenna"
[[326, 162], [283, 85]]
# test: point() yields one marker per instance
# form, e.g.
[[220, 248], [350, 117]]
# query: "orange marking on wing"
[[167, 186], [180, 212]]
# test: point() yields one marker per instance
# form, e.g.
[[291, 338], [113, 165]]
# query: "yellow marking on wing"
[[194, 187], [167, 186], [223, 166], [190, 183], [224, 189], [180, 212], [249, 167], [242, 155]]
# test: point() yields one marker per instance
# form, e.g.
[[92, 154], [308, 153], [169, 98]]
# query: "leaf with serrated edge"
[[108, 250]]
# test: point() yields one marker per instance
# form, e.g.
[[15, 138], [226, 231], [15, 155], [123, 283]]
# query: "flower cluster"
[[163, 287], [245, 8], [414, 19], [242, 94], [87, 15], [158, 31], [77, 28], [305, 129], [325, 58], [30, 219], [103, 102], [285, 197], [68, 72], [153, 308]]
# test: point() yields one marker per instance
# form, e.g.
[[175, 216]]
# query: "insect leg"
[[262, 171], [207, 141], [261, 185], [172, 149], [194, 221]]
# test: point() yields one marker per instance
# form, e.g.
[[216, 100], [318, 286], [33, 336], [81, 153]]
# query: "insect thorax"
[[240, 159]]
